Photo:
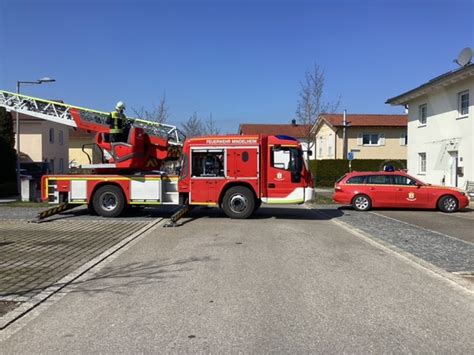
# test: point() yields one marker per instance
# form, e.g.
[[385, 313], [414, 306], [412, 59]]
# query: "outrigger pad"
[[53, 210], [180, 213]]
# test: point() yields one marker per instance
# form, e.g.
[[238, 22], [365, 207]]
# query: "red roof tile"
[[297, 131], [367, 120]]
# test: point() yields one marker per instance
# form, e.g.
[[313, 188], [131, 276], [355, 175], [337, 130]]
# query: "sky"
[[241, 61]]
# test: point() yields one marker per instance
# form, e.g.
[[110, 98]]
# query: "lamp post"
[[17, 138]]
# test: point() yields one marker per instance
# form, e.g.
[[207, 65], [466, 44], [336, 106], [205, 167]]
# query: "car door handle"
[[271, 186], [372, 188]]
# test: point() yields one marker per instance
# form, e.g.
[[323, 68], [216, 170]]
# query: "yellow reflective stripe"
[[204, 203]]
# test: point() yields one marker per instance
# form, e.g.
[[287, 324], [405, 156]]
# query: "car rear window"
[[342, 177], [356, 180]]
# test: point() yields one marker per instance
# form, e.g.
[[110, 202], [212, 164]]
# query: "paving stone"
[[36, 256], [453, 255]]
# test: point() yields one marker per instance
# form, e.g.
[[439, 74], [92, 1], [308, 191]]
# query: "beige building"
[[79, 138], [368, 136], [44, 141]]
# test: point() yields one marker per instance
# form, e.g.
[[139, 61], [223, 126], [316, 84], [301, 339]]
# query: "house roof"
[[366, 120], [297, 131], [434, 84]]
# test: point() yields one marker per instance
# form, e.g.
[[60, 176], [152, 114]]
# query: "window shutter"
[[359, 139], [382, 139]]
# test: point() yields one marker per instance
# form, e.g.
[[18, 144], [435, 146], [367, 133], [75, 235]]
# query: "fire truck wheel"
[[258, 203], [109, 201], [238, 202]]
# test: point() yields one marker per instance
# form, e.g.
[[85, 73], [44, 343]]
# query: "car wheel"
[[362, 203], [108, 201], [448, 204], [238, 202]]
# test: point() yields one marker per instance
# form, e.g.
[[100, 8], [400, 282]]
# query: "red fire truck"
[[236, 173]]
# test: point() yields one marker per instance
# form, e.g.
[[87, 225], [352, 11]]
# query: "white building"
[[441, 128]]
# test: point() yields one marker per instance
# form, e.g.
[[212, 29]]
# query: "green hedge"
[[326, 172]]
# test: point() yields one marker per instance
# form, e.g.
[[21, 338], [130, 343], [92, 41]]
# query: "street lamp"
[[18, 84]]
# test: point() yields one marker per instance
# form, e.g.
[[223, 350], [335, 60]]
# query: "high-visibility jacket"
[[118, 120]]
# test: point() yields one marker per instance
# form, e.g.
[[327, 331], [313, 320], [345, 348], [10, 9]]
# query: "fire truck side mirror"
[[310, 153]]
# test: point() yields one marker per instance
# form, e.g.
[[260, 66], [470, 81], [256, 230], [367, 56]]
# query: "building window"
[[403, 139], [51, 166], [463, 103], [370, 139], [422, 114], [421, 163], [61, 137], [61, 165], [51, 135], [330, 151]]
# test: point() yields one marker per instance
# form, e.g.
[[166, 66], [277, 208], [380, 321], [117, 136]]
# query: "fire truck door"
[[242, 163], [207, 170], [279, 177]]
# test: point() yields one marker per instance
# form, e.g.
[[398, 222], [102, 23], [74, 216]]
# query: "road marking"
[[423, 228], [15, 320], [458, 282]]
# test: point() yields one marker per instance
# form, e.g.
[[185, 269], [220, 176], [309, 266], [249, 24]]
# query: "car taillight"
[[337, 188]]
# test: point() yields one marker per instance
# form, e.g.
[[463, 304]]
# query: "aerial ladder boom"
[[149, 143]]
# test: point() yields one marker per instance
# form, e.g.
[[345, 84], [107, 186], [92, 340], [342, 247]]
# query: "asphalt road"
[[286, 281]]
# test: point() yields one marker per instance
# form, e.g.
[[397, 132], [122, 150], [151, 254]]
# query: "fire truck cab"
[[238, 173]]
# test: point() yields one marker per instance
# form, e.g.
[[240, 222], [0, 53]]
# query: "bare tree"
[[311, 104], [210, 127], [158, 114], [193, 127]]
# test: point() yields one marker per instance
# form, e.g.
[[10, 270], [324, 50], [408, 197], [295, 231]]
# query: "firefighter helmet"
[[120, 105]]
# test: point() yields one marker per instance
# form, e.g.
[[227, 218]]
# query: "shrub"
[[326, 172]]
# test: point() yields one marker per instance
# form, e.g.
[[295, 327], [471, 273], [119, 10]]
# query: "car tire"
[[109, 201], [448, 204], [362, 203], [238, 202]]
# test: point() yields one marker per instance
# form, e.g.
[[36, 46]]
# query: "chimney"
[[293, 122]]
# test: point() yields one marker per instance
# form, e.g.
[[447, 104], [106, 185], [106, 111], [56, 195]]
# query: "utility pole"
[[344, 135]]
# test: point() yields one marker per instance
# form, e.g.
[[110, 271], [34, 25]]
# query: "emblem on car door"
[[411, 196], [279, 176]]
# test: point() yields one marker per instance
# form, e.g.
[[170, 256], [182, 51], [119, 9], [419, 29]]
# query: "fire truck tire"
[[238, 202], [258, 203], [108, 201]]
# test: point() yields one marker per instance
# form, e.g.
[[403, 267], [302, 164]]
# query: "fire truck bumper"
[[308, 194]]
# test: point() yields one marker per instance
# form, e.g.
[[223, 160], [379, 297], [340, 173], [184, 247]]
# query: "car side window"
[[403, 180], [379, 179], [356, 180]]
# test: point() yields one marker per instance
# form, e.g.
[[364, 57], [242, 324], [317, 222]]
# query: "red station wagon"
[[364, 190]]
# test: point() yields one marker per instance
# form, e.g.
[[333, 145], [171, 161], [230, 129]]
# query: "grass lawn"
[[322, 200]]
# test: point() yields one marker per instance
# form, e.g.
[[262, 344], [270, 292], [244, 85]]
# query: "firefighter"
[[117, 123]]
